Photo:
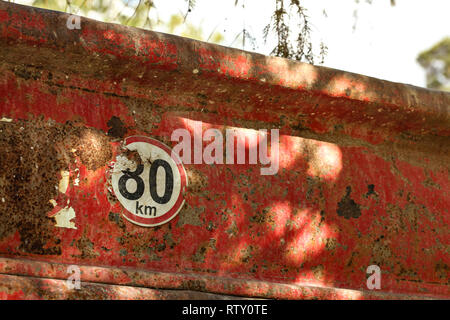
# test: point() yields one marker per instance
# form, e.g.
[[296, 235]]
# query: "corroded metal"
[[363, 177]]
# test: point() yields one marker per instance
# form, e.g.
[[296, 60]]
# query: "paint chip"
[[64, 182], [76, 181], [63, 218]]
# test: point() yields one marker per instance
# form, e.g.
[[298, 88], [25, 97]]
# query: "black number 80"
[[140, 186]]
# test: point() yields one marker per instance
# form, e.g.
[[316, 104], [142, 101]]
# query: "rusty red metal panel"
[[31, 288], [363, 175]]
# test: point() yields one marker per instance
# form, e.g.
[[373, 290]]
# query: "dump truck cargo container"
[[159, 167]]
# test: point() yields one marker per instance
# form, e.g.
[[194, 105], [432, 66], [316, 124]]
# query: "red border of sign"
[[169, 215]]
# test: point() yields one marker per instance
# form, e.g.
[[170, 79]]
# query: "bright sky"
[[384, 45]]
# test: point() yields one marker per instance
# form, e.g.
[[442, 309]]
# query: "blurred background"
[[404, 41]]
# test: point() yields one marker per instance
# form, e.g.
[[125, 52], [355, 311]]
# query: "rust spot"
[[147, 116], [117, 128], [27, 73], [110, 194], [263, 216], [117, 219], [371, 191], [30, 167], [93, 148], [330, 244], [318, 272], [198, 182], [86, 247], [133, 156], [90, 292], [33, 154], [442, 270], [381, 253], [191, 216], [169, 240], [347, 207], [247, 254], [232, 230], [195, 285], [200, 254]]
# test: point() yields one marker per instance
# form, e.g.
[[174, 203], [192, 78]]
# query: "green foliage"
[[135, 13], [280, 25], [140, 17], [51, 4], [191, 5], [289, 23], [177, 24], [436, 62]]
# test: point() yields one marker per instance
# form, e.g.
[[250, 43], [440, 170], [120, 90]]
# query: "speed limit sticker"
[[151, 189]]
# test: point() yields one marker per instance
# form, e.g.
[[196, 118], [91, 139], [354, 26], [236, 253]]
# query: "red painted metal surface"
[[363, 174]]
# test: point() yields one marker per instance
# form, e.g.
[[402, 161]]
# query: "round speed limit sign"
[[151, 190]]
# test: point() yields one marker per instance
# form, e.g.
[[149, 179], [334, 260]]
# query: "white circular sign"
[[151, 191]]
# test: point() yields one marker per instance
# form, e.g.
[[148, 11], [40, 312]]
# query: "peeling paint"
[[64, 181], [63, 218]]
